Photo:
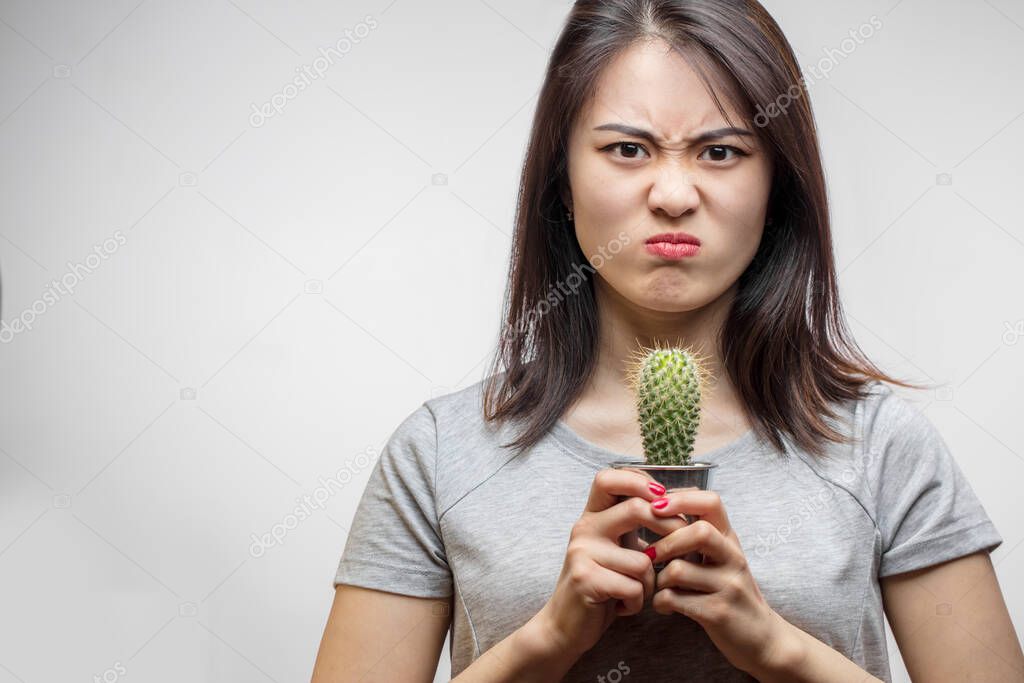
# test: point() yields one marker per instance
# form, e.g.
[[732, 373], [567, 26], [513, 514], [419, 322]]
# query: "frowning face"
[[651, 155]]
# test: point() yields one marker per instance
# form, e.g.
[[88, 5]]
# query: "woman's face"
[[626, 189]]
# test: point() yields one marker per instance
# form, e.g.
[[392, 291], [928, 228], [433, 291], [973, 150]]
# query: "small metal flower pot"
[[672, 477]]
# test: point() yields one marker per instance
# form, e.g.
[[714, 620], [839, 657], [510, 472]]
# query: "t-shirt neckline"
[[602, 456]]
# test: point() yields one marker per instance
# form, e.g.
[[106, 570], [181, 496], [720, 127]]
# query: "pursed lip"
[[674, 238]]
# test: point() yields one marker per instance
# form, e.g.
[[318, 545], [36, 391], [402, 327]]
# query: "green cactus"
[[667, 383]]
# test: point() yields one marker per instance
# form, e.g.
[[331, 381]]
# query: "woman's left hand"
[[721, 594]]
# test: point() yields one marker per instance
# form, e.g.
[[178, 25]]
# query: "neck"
[[624, 327]]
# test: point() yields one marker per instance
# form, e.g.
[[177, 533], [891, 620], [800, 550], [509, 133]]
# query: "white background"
[[286, 293]]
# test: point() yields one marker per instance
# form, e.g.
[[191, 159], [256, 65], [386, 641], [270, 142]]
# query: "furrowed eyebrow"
[[706, 136]]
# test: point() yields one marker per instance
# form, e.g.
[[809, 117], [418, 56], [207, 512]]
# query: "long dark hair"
[[784, 344]]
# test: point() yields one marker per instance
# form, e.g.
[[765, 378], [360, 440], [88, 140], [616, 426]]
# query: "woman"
[[656, 205]]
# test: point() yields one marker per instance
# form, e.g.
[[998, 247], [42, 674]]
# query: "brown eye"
[[720, 150], [629, 150]]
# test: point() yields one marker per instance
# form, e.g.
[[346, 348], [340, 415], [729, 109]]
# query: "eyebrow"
[[706, 136]]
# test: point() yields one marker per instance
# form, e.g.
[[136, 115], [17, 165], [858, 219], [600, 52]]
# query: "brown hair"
[[784, 343]]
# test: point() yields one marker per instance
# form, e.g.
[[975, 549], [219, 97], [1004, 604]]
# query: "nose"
[[674, 192]]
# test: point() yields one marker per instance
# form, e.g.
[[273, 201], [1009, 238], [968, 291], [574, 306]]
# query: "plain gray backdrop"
[[222, 293]]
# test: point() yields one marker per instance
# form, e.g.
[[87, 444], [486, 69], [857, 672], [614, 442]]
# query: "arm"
[[802, 658], [951, 622], [530, 654], [374, 635]]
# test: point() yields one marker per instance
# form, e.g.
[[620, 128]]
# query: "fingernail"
[[656, 488], [659, 502], [650, 552]]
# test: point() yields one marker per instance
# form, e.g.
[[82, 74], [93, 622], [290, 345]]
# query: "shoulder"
[[459, 417], [897, 437], [457, 405], [469, 449], [441, 421], [884, 411], [871, 425], [886, 422]]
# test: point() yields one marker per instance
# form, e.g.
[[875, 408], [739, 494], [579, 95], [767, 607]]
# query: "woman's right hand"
[[597, 572]]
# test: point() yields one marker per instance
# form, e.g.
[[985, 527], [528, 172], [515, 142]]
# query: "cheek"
[[741, 201], [605, 204]]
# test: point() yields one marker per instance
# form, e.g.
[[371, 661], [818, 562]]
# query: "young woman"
[[664, 201]]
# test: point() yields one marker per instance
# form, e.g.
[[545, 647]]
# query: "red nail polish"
[[659, 502], [656, 488], [650, 552]]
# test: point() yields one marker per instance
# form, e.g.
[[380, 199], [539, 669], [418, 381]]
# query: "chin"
[[677, 302]]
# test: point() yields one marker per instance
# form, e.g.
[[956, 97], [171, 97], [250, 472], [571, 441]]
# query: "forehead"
[[652, 85]]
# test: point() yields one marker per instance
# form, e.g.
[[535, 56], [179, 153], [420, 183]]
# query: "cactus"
[[667, 383]]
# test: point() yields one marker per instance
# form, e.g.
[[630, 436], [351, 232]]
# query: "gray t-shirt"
[[448, 513]]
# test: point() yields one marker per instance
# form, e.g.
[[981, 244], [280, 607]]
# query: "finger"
[[630, 514], [631, 539], [609, 585], [689, 576], [677, 601], [702, 536], [632, 563], [610, 483], [704, 504]]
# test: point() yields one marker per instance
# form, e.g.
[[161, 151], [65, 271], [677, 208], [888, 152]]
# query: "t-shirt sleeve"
[[925, 508], [394, 543]]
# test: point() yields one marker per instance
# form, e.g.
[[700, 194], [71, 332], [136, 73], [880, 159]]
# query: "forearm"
[[527, 655], [802, 658]]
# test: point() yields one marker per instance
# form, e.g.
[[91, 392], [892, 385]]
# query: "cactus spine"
[[667, 383]]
